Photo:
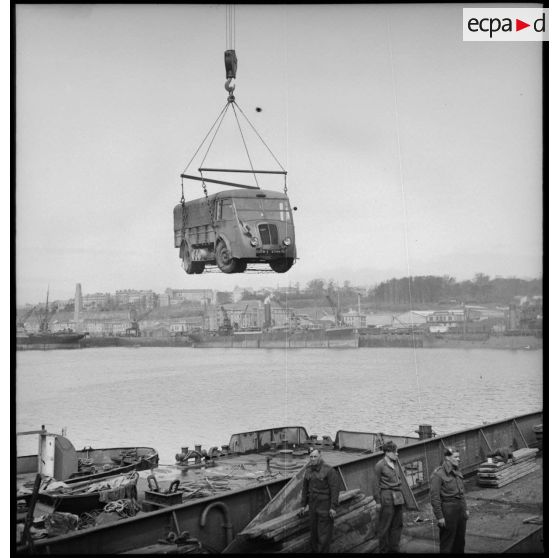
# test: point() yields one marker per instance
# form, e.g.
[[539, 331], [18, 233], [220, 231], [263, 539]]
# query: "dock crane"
[[294, 320], [336, 312], [226, 328]]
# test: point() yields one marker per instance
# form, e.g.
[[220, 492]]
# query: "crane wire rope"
[[223, 110], [259, 136], [244, 143], [406, 241]]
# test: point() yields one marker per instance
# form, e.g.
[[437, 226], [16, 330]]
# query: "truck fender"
[[225, 240]]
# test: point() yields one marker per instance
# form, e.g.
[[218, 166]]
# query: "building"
[[379, 320], [413, 318], [106, 327], [178, 296], [185, 324], [238, 293], [141, 299], [354, 319], [95, 300], [247, 315]]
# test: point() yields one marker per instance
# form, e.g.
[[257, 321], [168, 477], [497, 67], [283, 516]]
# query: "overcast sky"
[[408, 151]]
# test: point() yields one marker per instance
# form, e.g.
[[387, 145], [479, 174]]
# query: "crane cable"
[[230, 67], [230, 27], [406, 238]]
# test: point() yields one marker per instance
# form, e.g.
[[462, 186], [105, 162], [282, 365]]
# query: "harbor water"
[[168, 398]]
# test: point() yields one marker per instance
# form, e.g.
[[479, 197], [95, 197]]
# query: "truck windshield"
[[249, 209]]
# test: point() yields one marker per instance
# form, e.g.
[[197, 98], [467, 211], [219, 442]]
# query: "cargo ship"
[[332, 338], [264, 463], [45, 338]]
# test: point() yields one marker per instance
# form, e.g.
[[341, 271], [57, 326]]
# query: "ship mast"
[[43, 326]]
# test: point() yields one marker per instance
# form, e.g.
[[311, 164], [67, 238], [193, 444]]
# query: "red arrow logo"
[[519, 25]]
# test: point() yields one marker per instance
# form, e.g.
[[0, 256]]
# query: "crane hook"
[[230, 67], [228, 86]]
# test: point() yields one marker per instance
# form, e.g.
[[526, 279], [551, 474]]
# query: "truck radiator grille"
[[268, 234]]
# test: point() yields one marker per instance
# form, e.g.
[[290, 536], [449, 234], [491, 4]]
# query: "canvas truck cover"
[[197, 214]]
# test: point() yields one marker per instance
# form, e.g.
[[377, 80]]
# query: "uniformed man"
[[389, 500], [320, 496], [448, 502]]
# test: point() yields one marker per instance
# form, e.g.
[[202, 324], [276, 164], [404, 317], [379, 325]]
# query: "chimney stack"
[[77, 303]]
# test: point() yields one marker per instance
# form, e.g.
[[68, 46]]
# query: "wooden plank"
[[342, 477], [342, 515], [286, 518], [408, 495], [354, 531]]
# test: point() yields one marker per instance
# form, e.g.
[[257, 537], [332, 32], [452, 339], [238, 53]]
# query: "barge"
[[212, 523]]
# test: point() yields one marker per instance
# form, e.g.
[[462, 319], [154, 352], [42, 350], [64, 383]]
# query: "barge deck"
[[239, 486]]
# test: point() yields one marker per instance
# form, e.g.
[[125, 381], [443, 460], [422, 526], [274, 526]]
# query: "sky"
[[408, 150]]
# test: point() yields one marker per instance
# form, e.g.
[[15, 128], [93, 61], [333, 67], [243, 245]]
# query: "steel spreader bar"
[[243, 170], [220, 182]]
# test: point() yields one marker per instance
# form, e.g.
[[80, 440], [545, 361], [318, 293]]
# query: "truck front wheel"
[[225, 262], [282, 265]]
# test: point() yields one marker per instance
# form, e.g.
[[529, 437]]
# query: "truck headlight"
[[287, 241]]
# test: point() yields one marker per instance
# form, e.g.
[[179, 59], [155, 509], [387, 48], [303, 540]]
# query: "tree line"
[[425, 289]]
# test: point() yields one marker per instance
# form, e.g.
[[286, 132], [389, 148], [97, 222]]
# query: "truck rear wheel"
[[191, 267], [282, 265]]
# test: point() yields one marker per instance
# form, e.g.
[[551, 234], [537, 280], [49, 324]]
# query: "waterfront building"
[[144, 299], [238, 293], [181, 325], [413, 318], [178, 296], [450, 318], [164, 300], [106, 327], [379, 320], [354, 319], [155, 330], [95, 300], [243, 315]]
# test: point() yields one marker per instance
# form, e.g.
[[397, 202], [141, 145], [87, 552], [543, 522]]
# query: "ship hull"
[[237, 508], [299, 339], [49, 341]]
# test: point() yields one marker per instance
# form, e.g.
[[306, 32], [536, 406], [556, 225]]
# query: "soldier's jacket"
[[320, 487], [446, 485]]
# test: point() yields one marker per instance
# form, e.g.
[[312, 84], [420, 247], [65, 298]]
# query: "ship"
[[48, 340], [45, 338], [74, 478], [334, 337], [253, 480]]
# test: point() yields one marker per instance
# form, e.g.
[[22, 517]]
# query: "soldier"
[[389, 500], [448, 502], [320, 496]]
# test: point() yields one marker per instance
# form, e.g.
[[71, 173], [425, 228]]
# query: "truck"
[[234, 228]]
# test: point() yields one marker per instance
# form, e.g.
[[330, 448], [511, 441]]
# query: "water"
[[173, 397]]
